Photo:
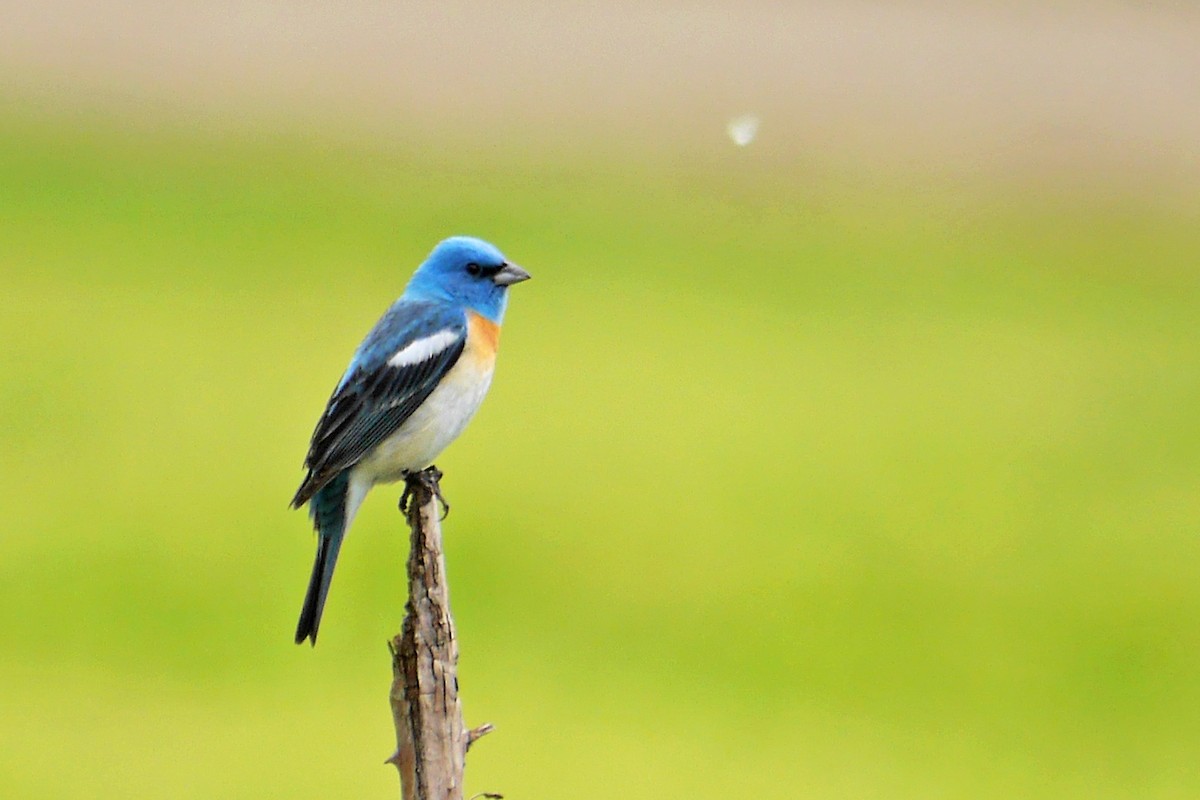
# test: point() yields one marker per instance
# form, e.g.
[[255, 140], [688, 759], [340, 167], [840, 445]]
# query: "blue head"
[[468, 271]]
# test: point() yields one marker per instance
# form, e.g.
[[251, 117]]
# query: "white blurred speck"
[[743, 129]]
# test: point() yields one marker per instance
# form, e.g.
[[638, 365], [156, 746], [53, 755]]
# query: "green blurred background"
[[862, 461]]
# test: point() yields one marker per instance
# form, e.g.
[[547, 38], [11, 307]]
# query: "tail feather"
[[318, 589], [328, 509]]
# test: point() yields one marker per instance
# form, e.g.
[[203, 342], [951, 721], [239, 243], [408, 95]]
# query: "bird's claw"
[[430, 478]]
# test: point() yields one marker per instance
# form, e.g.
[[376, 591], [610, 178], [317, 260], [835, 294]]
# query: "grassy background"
[[795, 480]]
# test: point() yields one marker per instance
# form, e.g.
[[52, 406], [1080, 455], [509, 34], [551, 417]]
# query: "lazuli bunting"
[[412, 386]]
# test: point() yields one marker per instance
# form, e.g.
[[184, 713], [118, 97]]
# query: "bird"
[[410, 389]]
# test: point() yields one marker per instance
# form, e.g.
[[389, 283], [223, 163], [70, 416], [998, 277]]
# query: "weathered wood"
[[431, 739]]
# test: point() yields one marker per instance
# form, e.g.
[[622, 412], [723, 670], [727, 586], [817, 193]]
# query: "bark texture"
[[431, 739]]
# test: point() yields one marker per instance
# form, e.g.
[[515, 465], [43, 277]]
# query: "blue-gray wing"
[[395, 369]]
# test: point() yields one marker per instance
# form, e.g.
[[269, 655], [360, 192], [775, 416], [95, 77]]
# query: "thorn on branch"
[[475, 734]]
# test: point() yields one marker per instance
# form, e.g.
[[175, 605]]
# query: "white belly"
[[431, 428]]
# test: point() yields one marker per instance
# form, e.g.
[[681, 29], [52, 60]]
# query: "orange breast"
[[483, 338]]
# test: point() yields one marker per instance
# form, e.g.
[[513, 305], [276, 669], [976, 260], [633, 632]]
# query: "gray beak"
[[510, 274]]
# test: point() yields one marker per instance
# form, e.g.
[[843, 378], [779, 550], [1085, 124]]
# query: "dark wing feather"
[[374, 399]]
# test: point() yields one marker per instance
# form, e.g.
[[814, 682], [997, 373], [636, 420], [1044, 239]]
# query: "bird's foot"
[[430, 478]]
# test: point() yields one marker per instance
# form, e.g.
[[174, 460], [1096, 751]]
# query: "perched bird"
[[412, 386]]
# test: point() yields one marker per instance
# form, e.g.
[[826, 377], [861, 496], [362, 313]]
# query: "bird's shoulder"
[[409, 332]]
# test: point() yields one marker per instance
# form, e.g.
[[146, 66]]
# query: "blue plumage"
[[441, 277], [410, 389]]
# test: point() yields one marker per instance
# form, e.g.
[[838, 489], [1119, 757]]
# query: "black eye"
[[473, 268]]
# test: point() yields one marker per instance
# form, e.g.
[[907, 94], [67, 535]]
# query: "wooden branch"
[[431, 739]]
